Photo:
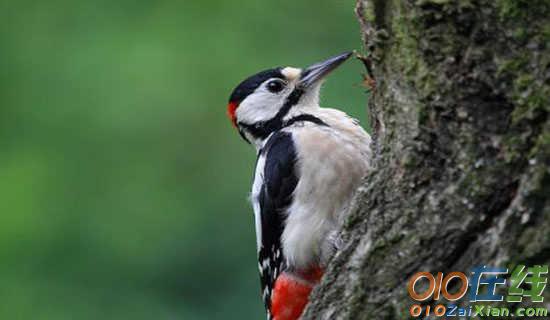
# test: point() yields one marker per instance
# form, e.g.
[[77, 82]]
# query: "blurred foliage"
[[123, 185]]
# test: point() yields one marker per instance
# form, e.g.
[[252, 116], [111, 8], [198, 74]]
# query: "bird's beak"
[[318, 71]]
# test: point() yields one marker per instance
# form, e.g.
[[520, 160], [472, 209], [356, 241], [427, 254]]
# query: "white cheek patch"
[[291, 73], [259, 106]]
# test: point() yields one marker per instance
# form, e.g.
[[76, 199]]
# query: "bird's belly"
[[331, 168]]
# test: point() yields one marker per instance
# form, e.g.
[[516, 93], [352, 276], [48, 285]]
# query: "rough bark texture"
[[460, 116]]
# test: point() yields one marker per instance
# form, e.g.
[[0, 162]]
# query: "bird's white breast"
[[332, 160]]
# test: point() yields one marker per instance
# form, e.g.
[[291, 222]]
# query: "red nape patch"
[[291, 294], [231, 109]]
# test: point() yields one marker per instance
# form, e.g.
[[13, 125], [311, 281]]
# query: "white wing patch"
[[256, 189]]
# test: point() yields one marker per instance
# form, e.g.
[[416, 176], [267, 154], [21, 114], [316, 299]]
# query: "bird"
[[310, 162]]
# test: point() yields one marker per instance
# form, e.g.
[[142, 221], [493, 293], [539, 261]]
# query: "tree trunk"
[[462, 138]]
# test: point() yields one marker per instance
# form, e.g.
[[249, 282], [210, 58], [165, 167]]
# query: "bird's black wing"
[[275, 196]]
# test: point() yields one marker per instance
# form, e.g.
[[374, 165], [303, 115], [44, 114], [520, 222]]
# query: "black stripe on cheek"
[[265, 128], [305, 118], [243, 136], [258, 130], [292, 100], [262, 130]]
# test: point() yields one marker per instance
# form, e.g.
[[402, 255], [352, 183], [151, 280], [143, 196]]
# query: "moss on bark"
[[462, 131]]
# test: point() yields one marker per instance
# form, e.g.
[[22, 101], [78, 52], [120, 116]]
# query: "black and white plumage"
[[310, 163], [276, 185]]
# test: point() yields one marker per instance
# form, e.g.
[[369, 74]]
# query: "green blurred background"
[[123, 185]]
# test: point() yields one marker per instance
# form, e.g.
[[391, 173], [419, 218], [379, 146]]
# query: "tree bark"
[[461, 127]]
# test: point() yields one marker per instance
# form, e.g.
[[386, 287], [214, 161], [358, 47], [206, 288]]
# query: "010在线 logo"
[[479, 287]]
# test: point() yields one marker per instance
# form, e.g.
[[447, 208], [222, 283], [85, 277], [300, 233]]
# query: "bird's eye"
[[275, 86]]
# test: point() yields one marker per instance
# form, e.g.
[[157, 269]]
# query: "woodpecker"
[[310, 162]]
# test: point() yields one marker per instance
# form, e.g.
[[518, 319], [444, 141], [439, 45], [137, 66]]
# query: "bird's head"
[[259, 104]]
